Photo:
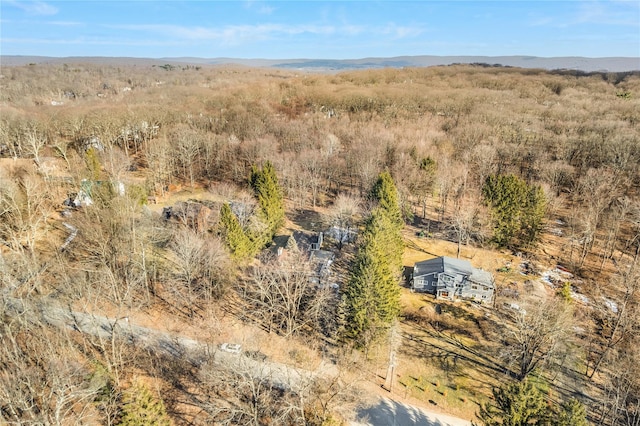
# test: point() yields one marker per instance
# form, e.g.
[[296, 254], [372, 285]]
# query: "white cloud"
[[259, 7], [33, 7], [401, 31], [616, 13], [232, 34], [66, 23], [239, 34]]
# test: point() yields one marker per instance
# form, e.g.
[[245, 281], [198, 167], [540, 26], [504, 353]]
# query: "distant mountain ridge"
[[578, 63]]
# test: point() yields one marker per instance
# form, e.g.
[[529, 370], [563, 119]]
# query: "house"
[[317, 244], [321, 275], [449, 278], [320, 262]]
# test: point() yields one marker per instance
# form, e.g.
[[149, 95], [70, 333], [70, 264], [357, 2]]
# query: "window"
[[444, 294]]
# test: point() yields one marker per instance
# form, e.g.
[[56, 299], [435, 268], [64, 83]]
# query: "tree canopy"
[[264, 183], [371, 300], [234, 236], [522, 404], [517, 209]]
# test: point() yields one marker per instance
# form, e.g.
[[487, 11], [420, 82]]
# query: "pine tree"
[[517, 209], [292, 245], [141, 408], [234, 236], [358, 303], [371, 300], [264, 183], [384, 191], [516, 404], [385, 244], [533, 215], [572, 413]]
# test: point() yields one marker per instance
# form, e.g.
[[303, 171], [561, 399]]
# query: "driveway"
[[391, 413]]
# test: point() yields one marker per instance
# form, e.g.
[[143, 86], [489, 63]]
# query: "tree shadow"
[[308, 220], [389, 412]]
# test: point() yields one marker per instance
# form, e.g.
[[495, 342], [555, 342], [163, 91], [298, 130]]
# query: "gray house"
[[450, 278]]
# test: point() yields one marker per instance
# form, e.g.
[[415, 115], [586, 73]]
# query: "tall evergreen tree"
[[371, 300], [533, 215], [358, 302], [234, 236], [264, 183], [385, 192], [517, 209]]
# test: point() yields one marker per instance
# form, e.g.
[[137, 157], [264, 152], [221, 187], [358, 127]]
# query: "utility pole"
[[394, 343], [388, 383]]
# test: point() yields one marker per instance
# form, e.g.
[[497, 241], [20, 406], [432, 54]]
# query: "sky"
[[320, 29]]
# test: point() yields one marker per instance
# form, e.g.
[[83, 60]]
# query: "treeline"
[[486, 156], [439, 131]]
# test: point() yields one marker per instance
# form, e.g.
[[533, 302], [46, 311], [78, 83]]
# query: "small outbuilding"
[[449, 278]]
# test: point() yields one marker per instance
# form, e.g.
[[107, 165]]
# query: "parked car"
[[234, 348]]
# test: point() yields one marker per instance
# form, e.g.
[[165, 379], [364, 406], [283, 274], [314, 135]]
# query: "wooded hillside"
[[189, 171]]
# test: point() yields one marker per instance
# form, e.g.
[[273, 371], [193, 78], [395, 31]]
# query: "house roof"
[[483, 277], [448, 265], [322, 256], [452, 266]]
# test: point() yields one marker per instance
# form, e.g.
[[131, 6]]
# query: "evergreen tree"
[[517, 209], [385, 244], [384, 191], [572, 413], [371, 300], [94, 168], [358, 302], [292, 245], [516, 404], [533, 215], [234, 236], [264, 183], [141, 408], [521, 404]]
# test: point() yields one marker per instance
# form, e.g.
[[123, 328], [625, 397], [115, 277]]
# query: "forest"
[[154, 217]]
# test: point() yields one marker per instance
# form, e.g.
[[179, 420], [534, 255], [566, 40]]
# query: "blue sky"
[[329, 29]]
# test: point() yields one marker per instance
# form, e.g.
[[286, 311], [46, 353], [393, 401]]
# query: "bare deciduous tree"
[[25, 207], [187, 149], [44, 379], [34, 141], [535, 335], [617, 320], [199, 267], [466, 221], [342, 217], [251, 393], [620, 401], [284, 297]]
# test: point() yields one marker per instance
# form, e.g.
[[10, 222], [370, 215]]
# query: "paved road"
[[193, 351], [391, 413], [385, 412]]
